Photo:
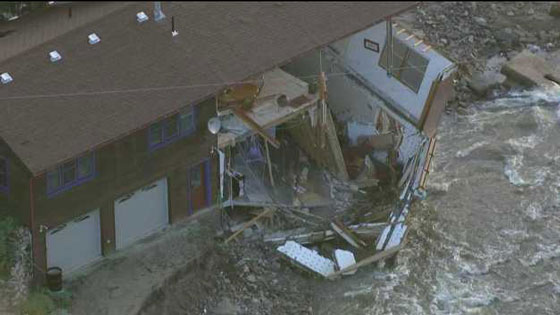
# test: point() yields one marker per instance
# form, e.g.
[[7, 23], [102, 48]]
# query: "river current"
[[487, 238]]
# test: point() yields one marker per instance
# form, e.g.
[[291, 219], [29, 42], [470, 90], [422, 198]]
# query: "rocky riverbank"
[[472, 33]]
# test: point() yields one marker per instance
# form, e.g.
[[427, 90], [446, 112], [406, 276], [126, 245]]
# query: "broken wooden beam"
[[248, 224], [347, 234], [242, 115], [303, 237], [378, 256]]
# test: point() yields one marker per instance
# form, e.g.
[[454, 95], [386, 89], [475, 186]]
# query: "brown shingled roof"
[[218, 42]]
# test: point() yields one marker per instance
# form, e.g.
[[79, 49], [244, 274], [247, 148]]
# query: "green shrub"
[[37, 303], [7, 227]]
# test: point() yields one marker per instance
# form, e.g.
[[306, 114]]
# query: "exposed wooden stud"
[[255, 127], [369, 260], [248, 224], [269, 162], [427, 48], [409, 37], [401, 31], [418, 43]]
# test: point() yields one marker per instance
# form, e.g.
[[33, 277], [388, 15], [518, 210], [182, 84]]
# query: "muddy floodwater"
[[487, 238]]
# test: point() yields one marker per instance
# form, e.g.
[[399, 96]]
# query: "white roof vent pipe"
[[55, 56], [93, 39], [5, 78], [141, 17], [158, 13]]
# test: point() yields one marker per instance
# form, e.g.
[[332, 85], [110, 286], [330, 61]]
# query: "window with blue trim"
[[171, 129], [4, 174], [71, 174]]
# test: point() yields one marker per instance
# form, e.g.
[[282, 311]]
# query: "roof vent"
[[5, 78], [158, 13], [173, 30], [141, 17], [93, 39], [55, 56]]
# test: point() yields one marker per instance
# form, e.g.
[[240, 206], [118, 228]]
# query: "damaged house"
[[104, 115], [365, 108]]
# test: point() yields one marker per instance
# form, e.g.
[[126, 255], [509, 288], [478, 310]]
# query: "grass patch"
[[7, 227], [37, 303]]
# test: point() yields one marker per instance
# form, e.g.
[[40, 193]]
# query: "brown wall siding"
[[15, 202], [122, 167]]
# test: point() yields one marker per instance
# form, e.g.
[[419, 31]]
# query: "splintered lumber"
[[269, 162], [249, 223], [303, 237], [239, 113], [347, 234], [378, 256]]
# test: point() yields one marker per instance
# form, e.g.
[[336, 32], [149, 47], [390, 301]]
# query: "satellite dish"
[[214, 125]]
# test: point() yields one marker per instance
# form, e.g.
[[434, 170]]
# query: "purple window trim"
[[76, 182], [178, 135], [6, 188]]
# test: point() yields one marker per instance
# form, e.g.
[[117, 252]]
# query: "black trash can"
[[54, 279]]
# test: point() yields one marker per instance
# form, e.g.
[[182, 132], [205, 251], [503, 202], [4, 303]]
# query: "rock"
[[482, 83], [251, 278], [531, 11], [481, 21], [530, 70], [226, 307], [506, 37], [510, 13]]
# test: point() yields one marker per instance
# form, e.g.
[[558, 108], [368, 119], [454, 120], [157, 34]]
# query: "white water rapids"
[[487, 238]]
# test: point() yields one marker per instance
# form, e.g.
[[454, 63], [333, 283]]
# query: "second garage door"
[[141, 213]]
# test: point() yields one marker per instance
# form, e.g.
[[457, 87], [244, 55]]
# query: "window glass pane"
[[196, 177], [171, 127], [68, 172], [413, 74], [186, 124], [53, 180], [85, 166], [399, 52], [155, 134]]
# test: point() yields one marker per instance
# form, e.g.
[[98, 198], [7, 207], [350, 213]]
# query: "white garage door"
[[141, 213], [75, 243]]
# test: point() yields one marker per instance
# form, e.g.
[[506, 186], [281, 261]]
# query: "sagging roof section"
[[139, 73]]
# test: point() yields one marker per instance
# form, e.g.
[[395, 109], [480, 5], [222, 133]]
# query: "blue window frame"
[[172, 129], [70, 174], [4, 176]]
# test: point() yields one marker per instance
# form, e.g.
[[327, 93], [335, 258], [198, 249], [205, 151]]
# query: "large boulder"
[[530, 70], [483, 82]]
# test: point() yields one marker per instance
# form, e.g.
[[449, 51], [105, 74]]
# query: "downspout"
[[32, 223]]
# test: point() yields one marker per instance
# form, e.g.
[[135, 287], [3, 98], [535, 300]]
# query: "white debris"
[[6, 78], [307, 258], [345, 259], [93, 39], [55, 56], [141, 17]]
